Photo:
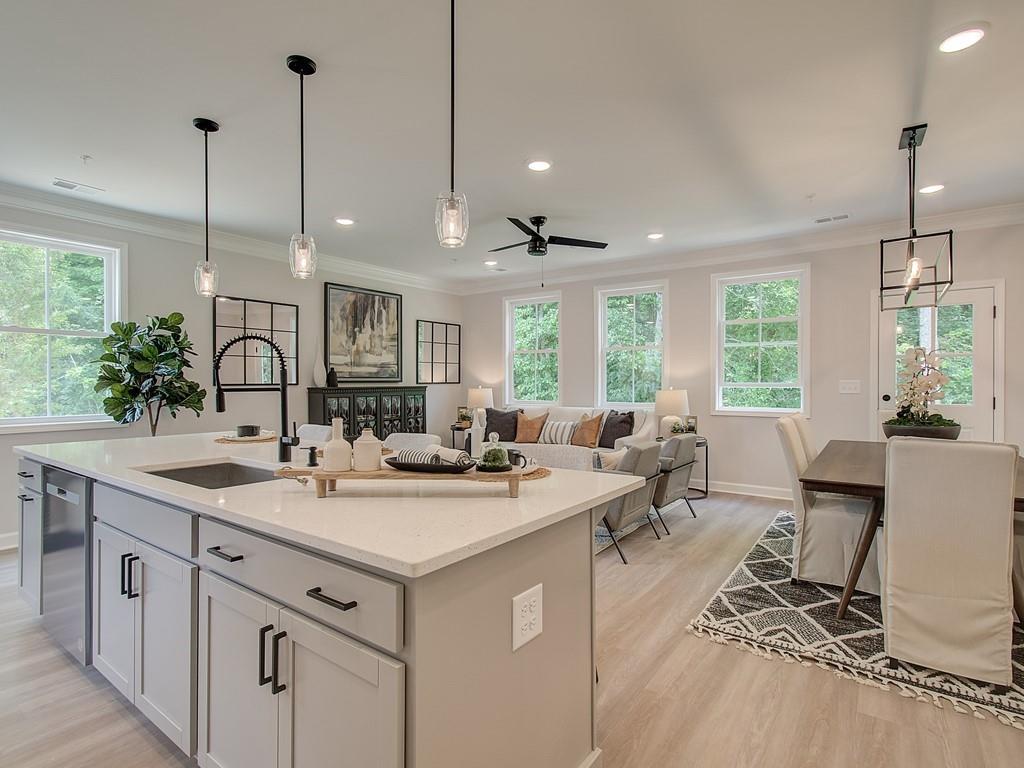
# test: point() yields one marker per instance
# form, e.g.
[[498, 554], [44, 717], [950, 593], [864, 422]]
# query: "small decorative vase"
[[319, 374], [366, 452], [332, 378], [337, 451]]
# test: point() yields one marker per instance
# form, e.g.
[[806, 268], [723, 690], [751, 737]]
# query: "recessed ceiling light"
[[538, 165], [655, 235], [964, 38], [490, 263], [931, 189], [344, 222]]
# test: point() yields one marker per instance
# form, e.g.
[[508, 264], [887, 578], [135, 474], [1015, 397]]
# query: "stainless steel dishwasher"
[[67, 536]]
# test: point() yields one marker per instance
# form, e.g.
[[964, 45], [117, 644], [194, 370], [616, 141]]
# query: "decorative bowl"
[[908, 430], [493, 467], [436, 469]]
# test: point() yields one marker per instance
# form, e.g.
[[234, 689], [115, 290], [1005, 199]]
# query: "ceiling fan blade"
[[556, 240], [525, 228], [506, 247]]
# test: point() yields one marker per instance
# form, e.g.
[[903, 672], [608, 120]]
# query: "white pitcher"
[[366, 452], [337, 451]]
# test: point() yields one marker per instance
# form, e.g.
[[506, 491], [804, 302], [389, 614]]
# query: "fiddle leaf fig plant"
[[143, 368]]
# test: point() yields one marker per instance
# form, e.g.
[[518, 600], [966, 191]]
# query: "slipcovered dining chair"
[[803, 426], [313, 433], [410, 441], [947, 560], [827, 527], [641, 460], [676, 460]]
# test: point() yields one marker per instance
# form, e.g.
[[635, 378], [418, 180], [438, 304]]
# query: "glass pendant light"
[[302, 248], [206, 276], [451, 216]]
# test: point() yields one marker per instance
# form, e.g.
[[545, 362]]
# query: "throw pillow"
[[528, 430], [616, 425], [587, 431], [557, 432], [502, 422], [612, 459]]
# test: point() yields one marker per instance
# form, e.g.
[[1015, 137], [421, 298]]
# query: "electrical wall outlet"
[[527, 616], [849, 386]]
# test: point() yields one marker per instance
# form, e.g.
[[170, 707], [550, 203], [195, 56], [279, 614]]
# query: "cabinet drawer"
[[288, 575], [30, 475], [168, 528]]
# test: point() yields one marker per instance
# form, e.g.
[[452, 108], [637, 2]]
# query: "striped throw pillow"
[[557, 432]]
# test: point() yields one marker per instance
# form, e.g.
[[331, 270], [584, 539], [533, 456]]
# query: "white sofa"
[[568, 456]]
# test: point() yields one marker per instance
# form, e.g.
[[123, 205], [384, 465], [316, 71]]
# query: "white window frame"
[[510, 307], [600, 299], [112, 256], [802, 272]]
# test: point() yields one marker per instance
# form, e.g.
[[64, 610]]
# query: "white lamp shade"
[[480, 397], [671, 402]]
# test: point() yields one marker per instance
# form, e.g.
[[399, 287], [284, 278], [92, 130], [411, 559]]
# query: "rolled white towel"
[[410, 456], [451, 455]]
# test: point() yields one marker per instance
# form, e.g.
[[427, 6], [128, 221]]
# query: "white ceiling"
[[712, 122]]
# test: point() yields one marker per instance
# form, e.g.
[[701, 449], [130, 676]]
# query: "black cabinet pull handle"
[[131, 576], [216, 552], [124, 588], [317, 593], [25, 497], [264, 679], [275, 687], [25, 475]]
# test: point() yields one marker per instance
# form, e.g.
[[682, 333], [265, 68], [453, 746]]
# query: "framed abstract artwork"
[[438, 352], [362, 333]]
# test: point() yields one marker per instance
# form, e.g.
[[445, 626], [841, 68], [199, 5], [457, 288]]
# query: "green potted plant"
[[919, 386], [143, 367]]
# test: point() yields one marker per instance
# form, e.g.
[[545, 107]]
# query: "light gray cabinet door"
[[164, 651], [113, 622], [343, 704], [30, 548], [237, 710]]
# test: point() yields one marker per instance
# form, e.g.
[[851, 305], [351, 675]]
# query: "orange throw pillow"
[[588, 431], [527, 429]]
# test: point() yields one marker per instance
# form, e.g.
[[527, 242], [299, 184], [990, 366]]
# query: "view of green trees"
[[950, 330], [535, 357], [633, 340], [50, 291], [762, 344]]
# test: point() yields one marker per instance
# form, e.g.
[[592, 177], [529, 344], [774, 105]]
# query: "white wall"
[[744, 449], [158, 280]]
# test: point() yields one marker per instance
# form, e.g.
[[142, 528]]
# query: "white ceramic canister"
[[337, 451], [366, 452]]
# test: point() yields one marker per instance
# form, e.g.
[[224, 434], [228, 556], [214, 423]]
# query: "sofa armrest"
[[628, 440]]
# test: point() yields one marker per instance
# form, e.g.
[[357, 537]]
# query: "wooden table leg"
[[332, 485], [513, 487], [867, 536], [321, 488]]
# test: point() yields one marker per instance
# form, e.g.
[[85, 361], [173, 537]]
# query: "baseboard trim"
[[744, 489], [594, 760], [8, 541]]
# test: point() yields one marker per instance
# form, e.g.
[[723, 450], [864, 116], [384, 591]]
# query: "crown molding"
[[753, 250], [36, 201]]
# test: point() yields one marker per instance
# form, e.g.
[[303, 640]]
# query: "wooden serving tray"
[[328, 481]]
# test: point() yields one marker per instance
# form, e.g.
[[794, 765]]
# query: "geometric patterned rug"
[[759, 610]]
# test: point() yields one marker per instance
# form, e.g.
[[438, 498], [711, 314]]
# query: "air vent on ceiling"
[[76, 186], [497, 269], [828, 219]]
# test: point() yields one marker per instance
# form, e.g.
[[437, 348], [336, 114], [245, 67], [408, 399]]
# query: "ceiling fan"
[[537, 245]]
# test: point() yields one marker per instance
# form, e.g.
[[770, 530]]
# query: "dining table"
[[857, 468]]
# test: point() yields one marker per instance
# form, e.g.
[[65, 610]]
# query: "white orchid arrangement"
[[920, 383]]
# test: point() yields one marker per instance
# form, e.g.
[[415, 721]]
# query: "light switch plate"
[[527, 616], [849, 386]]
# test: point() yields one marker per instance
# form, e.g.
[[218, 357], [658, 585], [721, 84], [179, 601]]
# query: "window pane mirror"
[[254, 362], [438, 352]]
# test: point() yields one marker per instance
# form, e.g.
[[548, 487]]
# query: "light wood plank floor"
[[666, 698]]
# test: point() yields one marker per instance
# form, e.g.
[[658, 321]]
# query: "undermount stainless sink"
[[221, 474]]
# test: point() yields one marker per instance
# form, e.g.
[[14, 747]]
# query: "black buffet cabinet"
[[383, 409]]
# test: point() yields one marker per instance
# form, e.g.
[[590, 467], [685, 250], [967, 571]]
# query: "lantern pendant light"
[[451, 216], [206, 271], [302, 249]]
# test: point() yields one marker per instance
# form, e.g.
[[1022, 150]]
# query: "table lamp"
[[671, 405], [480, 398]]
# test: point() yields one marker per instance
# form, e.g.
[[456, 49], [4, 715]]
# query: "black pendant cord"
[[912, 164], [302, 156], [206, 190], [451, 165]]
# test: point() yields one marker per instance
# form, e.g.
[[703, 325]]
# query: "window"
[[948, 329], [56, 301], [631, 338], [533, 340], [761, 341]]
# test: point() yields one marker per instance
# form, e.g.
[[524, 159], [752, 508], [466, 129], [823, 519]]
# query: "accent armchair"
[[640, 461], [678, 455]]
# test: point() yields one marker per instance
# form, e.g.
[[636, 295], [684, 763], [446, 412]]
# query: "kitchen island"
[[417, 624]]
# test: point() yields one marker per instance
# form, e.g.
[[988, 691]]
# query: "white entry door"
[[962, 328]]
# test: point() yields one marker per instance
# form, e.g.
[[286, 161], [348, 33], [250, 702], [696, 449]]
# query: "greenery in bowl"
[[494, 457], [920, 385]]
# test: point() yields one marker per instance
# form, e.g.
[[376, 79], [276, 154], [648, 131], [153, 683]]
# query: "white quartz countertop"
[[406, 527]]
